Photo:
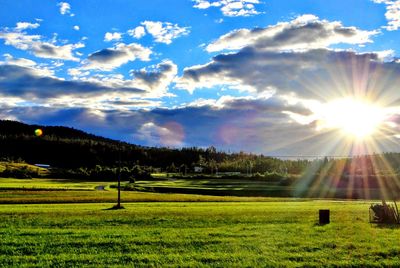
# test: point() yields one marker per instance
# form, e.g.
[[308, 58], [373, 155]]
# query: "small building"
[[42, 166], [198, 169]]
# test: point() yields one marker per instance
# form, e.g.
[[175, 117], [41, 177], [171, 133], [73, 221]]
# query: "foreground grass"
[[195, 234]]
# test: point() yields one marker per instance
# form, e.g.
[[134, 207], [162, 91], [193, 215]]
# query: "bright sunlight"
[[355, 118]]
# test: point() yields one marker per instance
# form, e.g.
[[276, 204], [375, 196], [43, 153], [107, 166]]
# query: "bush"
[[19, 173]]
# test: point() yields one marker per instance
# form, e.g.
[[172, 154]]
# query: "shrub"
[[19, 173]]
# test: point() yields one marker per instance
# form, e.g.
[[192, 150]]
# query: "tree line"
[[75, 152]]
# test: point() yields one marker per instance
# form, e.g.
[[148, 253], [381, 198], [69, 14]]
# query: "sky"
[[272, 77]]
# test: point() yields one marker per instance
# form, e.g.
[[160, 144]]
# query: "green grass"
[[61, 196], [240, 234], [33, 191], [10, 183], [216, 186], [222, 184]]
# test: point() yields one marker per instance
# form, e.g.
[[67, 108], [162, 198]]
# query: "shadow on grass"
[[317, 224], [115, 207], [387, 225]]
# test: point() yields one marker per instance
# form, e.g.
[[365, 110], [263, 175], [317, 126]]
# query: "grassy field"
[[50, 184], [250, 234], [70, 196], [216, 186], [253, 187], [44, 191]]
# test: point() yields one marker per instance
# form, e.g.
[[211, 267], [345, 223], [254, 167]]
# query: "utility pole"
[[119, 181], [118, 205]]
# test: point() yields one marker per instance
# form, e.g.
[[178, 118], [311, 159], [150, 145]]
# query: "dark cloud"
[[319, 74], [157, 79], [109, 58], [18, 81], [106, 55]]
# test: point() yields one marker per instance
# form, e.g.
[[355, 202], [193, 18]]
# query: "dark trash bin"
[[324, 216]]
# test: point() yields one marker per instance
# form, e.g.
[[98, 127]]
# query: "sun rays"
[[356, 119]]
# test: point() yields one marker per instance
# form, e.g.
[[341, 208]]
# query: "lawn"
[[228, 234]]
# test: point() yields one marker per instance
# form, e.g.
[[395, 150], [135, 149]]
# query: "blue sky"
[[259, 76]]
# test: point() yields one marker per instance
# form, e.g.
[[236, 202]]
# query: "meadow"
[[47, 191], [230, 234], [56, 222]]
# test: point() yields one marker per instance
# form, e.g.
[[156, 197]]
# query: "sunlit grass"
[[196, 234], [39, 183], [12, 165]]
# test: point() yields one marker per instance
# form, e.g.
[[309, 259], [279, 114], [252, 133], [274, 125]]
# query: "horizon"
[[264, 77], [40, 129]]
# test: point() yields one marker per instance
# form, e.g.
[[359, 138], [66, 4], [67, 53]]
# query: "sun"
[[355, 118]]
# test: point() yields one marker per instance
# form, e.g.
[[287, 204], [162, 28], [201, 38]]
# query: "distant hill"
[[71, 148], [62, 146], [15, 128]]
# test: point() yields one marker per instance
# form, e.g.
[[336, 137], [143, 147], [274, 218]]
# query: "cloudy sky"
[[278, 77]]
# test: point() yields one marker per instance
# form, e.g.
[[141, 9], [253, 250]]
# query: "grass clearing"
[[196, 234]]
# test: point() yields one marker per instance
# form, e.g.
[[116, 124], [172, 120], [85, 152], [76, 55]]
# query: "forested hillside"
[[70, 148]]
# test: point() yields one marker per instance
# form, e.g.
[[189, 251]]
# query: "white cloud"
[[51, 51], [318, 74], [138, 32], [76, 28], [170, 134], [23, 80], [26, 25], [152, 82], [65, 8], [155, 79], [392, 13], [112, 36], [111, 58], [231, 8], [304, 32], [164, 32], [32, 84], [33, 67], [286, 57], [42, 49]]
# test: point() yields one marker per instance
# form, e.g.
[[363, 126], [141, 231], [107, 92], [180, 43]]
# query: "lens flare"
[[38, 132]]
